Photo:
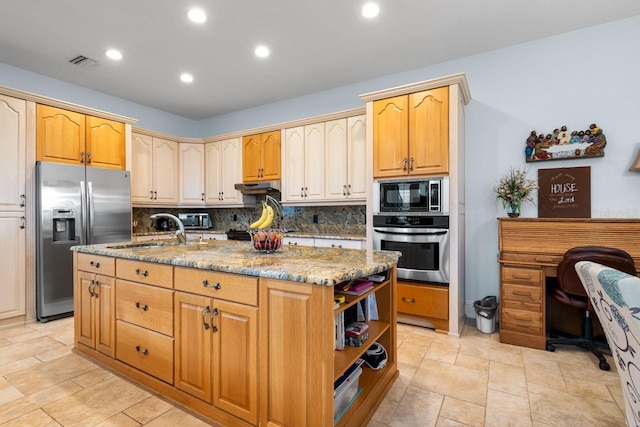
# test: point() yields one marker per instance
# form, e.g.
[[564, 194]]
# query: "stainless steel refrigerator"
[[76, 205]]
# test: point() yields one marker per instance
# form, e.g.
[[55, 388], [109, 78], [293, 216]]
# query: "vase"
[[513, 210]]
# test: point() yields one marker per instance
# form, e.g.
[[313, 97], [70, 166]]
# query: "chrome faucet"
[[179, 234]]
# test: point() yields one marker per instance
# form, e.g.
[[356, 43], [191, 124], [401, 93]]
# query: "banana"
[[267, 222], [262, 218]]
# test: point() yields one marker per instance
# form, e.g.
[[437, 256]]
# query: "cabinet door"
[[336, 159], [105, 143], [271, 156], [235, 359], [165, 170], [390, 137], [13, 130], [84, 315], [293, 177], [141, 168], [231, 167], [12, 265], [356, 158], [314, 162], [251, 158], [192, 317], [429, 132], [60, 135], [105, 315], [213, 174], [192, 174]]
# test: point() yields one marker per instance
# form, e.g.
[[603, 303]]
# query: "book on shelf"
[[353, 287]]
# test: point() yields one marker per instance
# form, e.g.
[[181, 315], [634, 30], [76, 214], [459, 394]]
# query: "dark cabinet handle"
[[204, 314], [142, 307], [88, 158], [151, 196], [206, 284], [23, 200], [90, 288], [155, 195], [22, 223], [214, 312], [404, 165], [82, 157], [95, 264], [411, 165], [143, 351], [142, 273], [202, 198]]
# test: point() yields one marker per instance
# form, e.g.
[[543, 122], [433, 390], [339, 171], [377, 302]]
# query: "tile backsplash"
[[330, 219]]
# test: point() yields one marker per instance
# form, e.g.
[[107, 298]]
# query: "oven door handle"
[[411, 232]]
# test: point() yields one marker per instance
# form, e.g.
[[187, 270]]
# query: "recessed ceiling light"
[[262, 51], [114, 54], [186, 77], [197, 15], [370, 10]]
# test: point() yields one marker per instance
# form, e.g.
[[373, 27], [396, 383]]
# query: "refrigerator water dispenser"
[[64, 225]]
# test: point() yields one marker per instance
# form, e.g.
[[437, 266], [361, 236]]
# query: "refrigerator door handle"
[[83, 211], [90, 212]]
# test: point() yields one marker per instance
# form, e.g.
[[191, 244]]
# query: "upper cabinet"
[[192, 171], [64, 136], [345, 148], [411, 134], [223, 169], [154, 170], [304, 160], [261, 157]]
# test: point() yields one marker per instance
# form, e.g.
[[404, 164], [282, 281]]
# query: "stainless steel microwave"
[[422, 195]]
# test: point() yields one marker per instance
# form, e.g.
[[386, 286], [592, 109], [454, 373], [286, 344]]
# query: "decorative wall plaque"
[[564, 192], [564, 145]]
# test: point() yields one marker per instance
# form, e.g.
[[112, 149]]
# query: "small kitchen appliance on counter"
[[195, 221]]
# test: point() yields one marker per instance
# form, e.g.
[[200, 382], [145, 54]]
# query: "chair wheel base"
[[551, 347], [604, 366]]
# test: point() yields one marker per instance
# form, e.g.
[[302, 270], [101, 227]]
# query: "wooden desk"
[[530, 250]]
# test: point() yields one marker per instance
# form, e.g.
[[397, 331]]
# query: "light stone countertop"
[[288, 234], [321, 266]]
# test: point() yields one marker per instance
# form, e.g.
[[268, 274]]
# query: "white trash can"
[[486, 309]]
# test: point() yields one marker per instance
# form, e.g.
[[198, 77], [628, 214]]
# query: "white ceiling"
[[314, 45]]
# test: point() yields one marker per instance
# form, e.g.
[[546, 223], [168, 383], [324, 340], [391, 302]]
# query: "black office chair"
[[569, 291]]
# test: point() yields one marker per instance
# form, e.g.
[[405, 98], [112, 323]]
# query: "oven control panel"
[[411, 221]]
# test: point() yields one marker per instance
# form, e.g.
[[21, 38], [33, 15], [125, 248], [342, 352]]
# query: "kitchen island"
[[238, 336]]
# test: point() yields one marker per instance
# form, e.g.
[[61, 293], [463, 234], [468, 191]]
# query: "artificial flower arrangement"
[[513, 188]]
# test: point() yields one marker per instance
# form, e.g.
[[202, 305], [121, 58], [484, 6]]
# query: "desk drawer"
[[144, 305], [146, 350], [423, 300], [528, 322], [525, 275], [231, 287], [522, 293], [145, 272], [97, 264]]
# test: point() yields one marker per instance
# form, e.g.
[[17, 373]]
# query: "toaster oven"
[[195, 221]]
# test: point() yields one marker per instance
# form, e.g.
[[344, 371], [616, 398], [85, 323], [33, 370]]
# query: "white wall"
[[574, 79]]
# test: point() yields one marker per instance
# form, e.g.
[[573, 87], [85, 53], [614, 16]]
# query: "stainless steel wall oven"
[[423, 241]]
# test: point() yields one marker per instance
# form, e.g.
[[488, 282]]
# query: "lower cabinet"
[[147, 350], [430, 302], [95, 304]]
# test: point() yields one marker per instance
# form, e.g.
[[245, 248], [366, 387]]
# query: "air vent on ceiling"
[[83, 61]]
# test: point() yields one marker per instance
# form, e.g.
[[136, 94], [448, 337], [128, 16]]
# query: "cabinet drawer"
[[528, 322], [231, 287], [338, 243], [97, 264], [145, 272], [144, 305], [146, 350], [423, 300], [522, 275], [522, 293]]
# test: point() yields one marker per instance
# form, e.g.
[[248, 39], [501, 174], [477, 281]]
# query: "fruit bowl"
[[266, 240]]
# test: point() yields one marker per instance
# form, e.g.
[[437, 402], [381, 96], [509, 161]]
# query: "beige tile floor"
[[473, 380]]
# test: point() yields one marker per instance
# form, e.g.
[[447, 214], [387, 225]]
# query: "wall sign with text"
[[564, 192]]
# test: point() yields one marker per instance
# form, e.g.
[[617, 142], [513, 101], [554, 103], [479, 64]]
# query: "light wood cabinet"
[[64, 136], [94, 306], [223, 169], [429, 302], [411, 134], [13, 130], [192, 172], [304, 160], [216, 328], [345, 146], [261, 157], [154, 170]]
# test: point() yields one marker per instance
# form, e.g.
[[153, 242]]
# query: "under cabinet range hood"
[[258, 188]]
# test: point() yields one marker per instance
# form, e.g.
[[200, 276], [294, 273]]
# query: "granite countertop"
[[169, 232], [288, 234], [321, 266]]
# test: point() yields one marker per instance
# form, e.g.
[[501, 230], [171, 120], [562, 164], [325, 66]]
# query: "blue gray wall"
[[574, 79]]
